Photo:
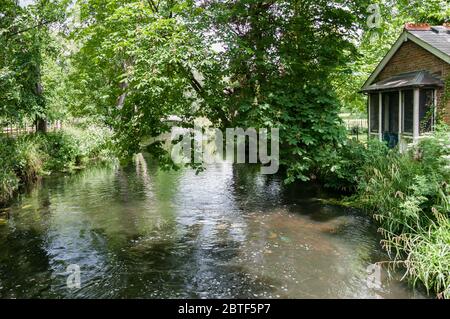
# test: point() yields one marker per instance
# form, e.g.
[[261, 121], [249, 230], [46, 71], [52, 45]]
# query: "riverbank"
[[408, 195], [25, 158]]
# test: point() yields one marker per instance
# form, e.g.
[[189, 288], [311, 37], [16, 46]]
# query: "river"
[[228, 232]]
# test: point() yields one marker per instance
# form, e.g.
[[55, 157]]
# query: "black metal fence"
[[14, 129], [357, 128]]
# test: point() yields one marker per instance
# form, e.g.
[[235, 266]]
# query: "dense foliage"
[[25, 158], [409, 196], [293, 65], [26, 45], [239, 63], [130, 64]]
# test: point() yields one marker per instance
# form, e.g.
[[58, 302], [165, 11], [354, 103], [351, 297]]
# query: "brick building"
[[406, 90]]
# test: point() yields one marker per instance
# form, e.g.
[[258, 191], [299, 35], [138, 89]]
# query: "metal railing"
[[14, 129], [356, 128]]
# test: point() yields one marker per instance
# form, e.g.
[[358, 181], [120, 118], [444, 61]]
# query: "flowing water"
[[138, 232]]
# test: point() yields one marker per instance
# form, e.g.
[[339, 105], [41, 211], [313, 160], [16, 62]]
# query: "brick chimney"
[[441, 29], [417, 27]]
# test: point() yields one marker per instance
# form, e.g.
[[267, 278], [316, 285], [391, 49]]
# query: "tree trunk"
[[41, 125], [123, 86], [41, 122]]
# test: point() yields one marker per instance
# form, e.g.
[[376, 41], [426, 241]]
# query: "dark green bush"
[[341, 168], [8, 180], [409, 196], [74, 147], [62, 150], [25, 158], [19, 161]]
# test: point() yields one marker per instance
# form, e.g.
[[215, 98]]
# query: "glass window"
[[408, 111], [374, 112]]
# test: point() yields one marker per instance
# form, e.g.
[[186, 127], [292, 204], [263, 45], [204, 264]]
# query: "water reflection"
[[138, 232]]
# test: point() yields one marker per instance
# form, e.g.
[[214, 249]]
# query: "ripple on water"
[[227, 232]]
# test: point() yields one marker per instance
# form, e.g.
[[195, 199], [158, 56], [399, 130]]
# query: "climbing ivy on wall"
[[443, 108]]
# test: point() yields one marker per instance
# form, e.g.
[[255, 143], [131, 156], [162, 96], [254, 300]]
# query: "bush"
[[341, 169], [428, 257], [19, 161], [92, 142], [73, 147], [25, 158], [409, 196], [8, 182]]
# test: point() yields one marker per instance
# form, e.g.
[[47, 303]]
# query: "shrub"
[[62, 149], [8, 179], [428, 257], [409, 196], [8, 182], [93, 142], [25, 158], [342, 168]]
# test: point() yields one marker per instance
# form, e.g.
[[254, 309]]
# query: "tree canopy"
[[131, 63], [26, 44]]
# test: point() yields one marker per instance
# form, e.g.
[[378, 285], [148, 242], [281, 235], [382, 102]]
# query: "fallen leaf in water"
[[222, 226], [272, 235]]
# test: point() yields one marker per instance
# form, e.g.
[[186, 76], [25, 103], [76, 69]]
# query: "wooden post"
[[400, 113], [369, 100], [433, 123], [380, 116], [416, 131]]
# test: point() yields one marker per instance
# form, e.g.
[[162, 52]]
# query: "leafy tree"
[[139, 61], [280, 58], [25, 37]]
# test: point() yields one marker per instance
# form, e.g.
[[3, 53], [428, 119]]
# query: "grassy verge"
[[409, 196], [23, 159]]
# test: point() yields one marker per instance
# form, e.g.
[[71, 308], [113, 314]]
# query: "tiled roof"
[[410, 79], [435, 40], [438, 37]]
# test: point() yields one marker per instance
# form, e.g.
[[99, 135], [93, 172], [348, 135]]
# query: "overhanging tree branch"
[[153, 5], [40, 24]]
